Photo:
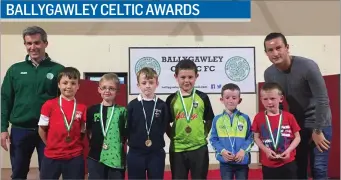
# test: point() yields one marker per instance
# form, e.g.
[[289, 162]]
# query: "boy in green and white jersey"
[[192, 117]]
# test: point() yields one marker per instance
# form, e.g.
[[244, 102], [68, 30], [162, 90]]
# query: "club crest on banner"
[[237, 68], [148, 62]]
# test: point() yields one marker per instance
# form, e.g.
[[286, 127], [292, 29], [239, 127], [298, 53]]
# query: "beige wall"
[[110, 54]]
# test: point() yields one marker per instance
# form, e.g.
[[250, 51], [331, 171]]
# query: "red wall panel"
[[88, 93]]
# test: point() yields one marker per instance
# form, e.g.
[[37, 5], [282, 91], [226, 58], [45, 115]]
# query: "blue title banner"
[[175, 9]]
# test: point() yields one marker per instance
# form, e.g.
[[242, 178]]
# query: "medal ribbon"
[[108, 122], [145, 115], [275, 143], [188, 115], [67, 125], [227, 131]]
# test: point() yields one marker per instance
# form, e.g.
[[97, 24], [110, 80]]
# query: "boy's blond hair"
[[110, 77], [272, 86], [150, 73]]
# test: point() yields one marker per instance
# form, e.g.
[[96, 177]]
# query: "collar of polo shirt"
[[139, 98]]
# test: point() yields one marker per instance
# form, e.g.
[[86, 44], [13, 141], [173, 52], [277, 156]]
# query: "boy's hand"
[[285, 155], [227, 155], [270, 154], [240, 156]]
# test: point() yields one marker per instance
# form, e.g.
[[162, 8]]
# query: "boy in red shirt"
[[62, 127], [276, 133]]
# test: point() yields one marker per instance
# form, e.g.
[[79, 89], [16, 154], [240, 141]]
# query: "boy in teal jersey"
[[231, 136], [192, 117]]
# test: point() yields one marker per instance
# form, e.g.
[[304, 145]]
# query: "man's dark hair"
[[33, 30], [275, 35], [272, 86], [70, 72], [186, 65], [229, 86]]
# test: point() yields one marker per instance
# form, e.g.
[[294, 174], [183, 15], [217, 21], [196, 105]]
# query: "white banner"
[[216, 66]]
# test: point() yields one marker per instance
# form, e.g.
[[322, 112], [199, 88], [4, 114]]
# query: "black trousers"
[[287, 171], [23, 143], [69, 169], [194, 161], [140, 162]]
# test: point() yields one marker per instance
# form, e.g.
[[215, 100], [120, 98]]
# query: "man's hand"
[[5, 140], [240, 156], [227, 155], [320, 141], [270, 154]]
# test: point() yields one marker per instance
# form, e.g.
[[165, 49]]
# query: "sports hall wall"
[[312, 29]]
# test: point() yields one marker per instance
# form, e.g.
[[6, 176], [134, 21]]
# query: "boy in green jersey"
[[192, 117], [105, 124]]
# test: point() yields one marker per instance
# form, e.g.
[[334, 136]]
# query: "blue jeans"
[[318, 160], [23, 143], [231, 171]]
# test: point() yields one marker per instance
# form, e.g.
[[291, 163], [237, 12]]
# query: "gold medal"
[[148, 142], [188, 129], [105, 146], [108, 121], [278, 136], [188, 114], [68, 126], [68, 139]]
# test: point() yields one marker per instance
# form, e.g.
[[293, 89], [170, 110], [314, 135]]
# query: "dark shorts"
[[69, 169], [195, 161], [287, 171], [99, 170], [139, 162]]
